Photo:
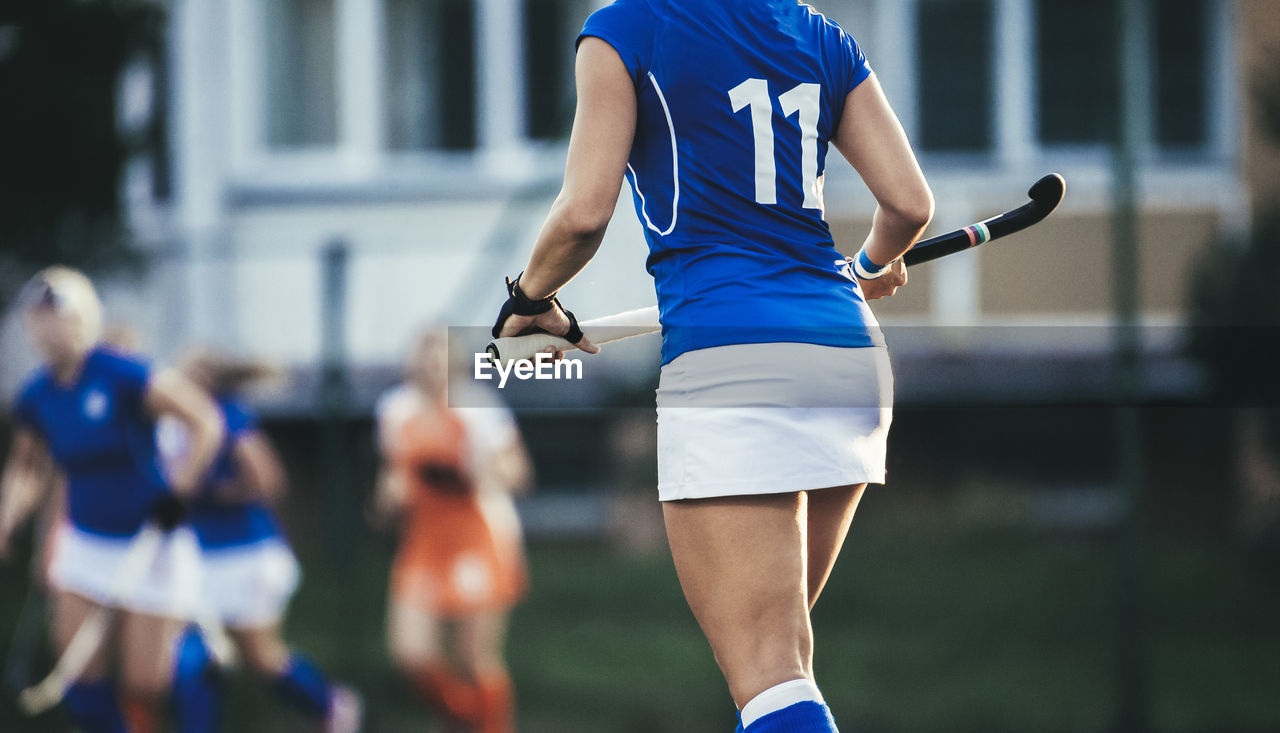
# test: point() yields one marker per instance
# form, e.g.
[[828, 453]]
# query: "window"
[[550, 27], [430, 74], [300, 88], [1181, 63], [956, 80], [1077, 71]]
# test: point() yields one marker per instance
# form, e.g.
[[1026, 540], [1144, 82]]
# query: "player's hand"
[[168, 511], [887, 284], [520, 316]]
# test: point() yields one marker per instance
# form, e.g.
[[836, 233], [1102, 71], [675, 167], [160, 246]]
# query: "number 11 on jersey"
[[803, 99]]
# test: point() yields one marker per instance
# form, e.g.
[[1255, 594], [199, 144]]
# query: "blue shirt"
[[101, 437], [219, 525], [736, 102]]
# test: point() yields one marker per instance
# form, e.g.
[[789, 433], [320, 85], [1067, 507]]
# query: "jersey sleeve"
[[856, 67], [24, 410], [129, 375], [628, 26], [239, 420]]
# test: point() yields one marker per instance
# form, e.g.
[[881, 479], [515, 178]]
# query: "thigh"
[[414, 634], [830, 512], [147, 652], [741, 563], [262, 649], [70, 612], [480, 640]]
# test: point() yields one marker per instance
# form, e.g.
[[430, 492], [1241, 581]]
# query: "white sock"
[[778, 697]]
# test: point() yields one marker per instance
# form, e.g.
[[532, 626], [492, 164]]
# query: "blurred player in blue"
[[250, 572], [775, 395], [93, 411]]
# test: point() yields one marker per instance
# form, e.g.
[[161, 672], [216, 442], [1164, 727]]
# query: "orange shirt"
[[450, 558]]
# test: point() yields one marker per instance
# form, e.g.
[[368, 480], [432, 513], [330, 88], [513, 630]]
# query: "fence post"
[[1132, 40], [335, 407]]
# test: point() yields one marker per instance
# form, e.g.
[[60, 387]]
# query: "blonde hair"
[[70, 292], [221, 373]]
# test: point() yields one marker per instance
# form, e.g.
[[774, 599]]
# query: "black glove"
[[518, 304], [168, 511], [444, 478]]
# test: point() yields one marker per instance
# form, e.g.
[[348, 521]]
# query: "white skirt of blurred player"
[[772, 418], [249, 587], [88, 565]]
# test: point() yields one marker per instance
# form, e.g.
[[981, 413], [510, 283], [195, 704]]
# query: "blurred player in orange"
[[448, 475]]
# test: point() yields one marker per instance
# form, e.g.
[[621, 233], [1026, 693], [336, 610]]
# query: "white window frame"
[[1015, 139], [360, 154]]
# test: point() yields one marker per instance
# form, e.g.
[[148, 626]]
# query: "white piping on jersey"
[[675, 169]]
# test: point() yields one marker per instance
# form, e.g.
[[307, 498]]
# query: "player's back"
[[736, 104]]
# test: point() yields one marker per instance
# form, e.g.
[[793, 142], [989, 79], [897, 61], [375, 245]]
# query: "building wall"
[[1259, 56], [431, 232]]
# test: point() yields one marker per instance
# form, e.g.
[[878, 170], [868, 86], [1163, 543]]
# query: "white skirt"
[[249, 587], [772, 418], [89, 565]]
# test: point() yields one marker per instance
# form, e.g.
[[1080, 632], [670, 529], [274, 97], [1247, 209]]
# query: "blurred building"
[[427, 137]]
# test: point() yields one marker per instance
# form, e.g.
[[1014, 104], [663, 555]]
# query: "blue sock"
[[803, 717], [304, 687], [195, 685], [93, 707]]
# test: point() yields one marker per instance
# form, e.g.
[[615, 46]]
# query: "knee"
[[411, 660], [144, 684], [265, 658]]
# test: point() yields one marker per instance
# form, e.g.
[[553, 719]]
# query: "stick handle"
[[603, 330]]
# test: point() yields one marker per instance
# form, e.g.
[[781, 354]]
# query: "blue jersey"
[[222, 525], [736, 102], [102, 438]]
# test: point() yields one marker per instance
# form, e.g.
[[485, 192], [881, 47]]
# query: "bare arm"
[[391, 495], [24, 483], [604, 125], [511, 469], [871, 138], [171, 393], [259, 469]]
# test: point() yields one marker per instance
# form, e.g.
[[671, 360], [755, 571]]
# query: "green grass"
[[937, 618]]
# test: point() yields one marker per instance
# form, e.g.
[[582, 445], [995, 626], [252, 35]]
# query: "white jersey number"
[[802, 99]]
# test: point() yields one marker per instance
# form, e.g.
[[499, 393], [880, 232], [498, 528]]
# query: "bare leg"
[[91, 702], [414, 636], [741, 563], [830, 512], [480, 642], [69, 613], [147, 662], [263, 651]]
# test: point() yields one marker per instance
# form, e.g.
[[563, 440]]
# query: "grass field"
[[947, 617]]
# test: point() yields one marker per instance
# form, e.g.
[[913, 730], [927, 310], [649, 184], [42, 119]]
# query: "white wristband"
[[866, 269]]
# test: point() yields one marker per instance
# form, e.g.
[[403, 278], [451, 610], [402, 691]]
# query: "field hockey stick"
[[603, 330], [138, 559], [1045, 196]]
